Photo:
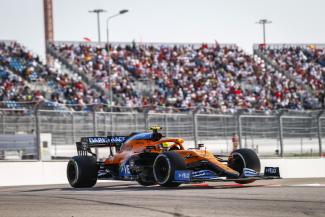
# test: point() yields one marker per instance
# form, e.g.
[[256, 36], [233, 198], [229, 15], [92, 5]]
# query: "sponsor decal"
[[189, 156], [106, 140], [125, 170], [204, 174], [272, 171], [182, 175], [249, 172], [97, 140], [116, 139]]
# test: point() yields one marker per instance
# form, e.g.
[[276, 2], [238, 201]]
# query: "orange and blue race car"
[[150, 159]]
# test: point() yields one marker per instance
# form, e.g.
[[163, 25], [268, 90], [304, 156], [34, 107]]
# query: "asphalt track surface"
[[280, 198]]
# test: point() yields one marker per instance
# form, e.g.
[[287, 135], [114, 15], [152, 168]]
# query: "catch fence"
[[280, 134]]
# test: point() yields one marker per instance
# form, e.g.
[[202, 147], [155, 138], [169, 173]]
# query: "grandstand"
[[202, 92], [26, 80], [303, 64], [78, 77], [217, 76]]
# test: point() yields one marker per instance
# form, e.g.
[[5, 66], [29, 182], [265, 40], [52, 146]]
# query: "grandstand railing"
[[288, 45], [155, 44], [271, 134]]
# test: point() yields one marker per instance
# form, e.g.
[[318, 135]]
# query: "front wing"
[[187, 176]]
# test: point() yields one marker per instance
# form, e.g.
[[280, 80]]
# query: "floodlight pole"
[[263, 22], [108, 54], [98, 11]]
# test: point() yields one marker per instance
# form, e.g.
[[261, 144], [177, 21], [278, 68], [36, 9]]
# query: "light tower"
[[98, 11], [107, 42], [263, 22]]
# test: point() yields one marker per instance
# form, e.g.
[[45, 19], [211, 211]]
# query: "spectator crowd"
[[29, 74], [216, 76], [222, 77], [306, 64]]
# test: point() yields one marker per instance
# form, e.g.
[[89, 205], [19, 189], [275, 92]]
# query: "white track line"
[[308, 185]]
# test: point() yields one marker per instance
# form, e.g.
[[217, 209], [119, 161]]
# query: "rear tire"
[[143, 182], [164, 168], [82, 171], [244, 158]]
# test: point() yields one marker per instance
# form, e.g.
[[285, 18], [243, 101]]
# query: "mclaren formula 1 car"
[[150, 159]]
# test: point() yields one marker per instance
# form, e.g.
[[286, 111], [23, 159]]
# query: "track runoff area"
[[285, 197]]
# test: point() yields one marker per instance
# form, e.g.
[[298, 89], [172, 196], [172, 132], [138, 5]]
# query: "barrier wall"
[[32, 173], [297, 168], [54, 172]]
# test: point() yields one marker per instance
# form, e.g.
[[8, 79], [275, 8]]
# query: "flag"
[[87, 39]]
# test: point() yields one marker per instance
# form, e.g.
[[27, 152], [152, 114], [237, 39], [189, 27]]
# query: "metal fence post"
[[95, 129], [146, 119], [3, 123], [38, 136], [95, 123], [319, 132], [239, 128], [73, 128], [195, 127], [136, 122], [105, 124], [166, 124], [281, 134], [111, 122]]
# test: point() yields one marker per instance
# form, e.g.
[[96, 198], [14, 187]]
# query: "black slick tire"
[[143, 182], [244, 158], [164, 168], [82, 171]]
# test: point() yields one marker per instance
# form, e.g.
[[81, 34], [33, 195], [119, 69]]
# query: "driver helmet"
[[165, 145]]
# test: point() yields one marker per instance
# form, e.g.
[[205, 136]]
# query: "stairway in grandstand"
[[143, 87], [269, 61], [15, 66], [73, 70]]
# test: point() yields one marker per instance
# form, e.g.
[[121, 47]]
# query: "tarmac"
[[280, 198]]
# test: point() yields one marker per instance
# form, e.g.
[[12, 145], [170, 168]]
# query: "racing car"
[[150, 159]]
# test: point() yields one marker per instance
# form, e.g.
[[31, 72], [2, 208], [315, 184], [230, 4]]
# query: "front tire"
[[82, 171], [164, 168], [244, 158]]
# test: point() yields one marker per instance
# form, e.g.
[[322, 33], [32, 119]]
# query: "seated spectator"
[[62, 88], [222, 77], [304, 64]]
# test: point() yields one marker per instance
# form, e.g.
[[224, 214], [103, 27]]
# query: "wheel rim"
[[72, 171], [162, 170], [237, 163]]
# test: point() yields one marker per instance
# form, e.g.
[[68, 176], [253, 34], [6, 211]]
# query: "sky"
[[186, 21]]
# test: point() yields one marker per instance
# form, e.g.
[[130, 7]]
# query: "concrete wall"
[[297, 168], [54, 172], [32, 173]]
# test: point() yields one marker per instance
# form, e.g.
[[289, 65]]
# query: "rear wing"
[[86, 143]]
